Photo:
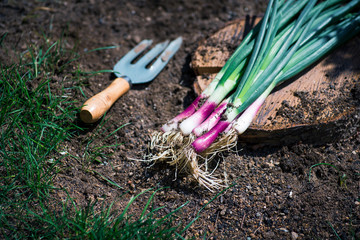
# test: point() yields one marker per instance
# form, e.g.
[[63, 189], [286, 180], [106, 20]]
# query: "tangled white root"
[[175, 149], [170, 147]]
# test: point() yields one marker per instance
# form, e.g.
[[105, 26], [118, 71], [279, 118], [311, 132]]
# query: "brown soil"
[[273, 197]]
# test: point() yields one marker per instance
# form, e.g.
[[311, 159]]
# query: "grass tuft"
[[37, 117]]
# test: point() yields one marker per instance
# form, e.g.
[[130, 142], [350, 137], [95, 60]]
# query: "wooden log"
[[307, 108]]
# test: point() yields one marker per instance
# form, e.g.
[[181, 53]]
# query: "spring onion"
[[291, 36]]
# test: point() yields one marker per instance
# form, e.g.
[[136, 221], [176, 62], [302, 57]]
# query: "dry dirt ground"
[[273, 197]]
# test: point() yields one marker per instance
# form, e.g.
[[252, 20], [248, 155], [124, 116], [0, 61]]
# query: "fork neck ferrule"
[[127, 79]]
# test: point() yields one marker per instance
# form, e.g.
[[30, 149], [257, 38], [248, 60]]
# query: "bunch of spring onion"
[[291, 36]]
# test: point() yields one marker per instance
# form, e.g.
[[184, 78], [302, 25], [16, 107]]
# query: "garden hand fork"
[[129, 73]]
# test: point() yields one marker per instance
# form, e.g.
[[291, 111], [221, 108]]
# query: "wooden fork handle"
[[95, 107]]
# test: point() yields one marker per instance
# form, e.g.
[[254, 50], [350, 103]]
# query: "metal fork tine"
[[155, 51], [136, 51], [137, 72], [165, 56]]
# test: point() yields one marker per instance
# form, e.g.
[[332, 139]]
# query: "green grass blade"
[[108, 180], [2, 38], [102, 48]]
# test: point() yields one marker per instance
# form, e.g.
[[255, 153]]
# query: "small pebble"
[[270, 235], [137, 38], [223, 212], [131, 185], [294, 235], [204, 202]]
